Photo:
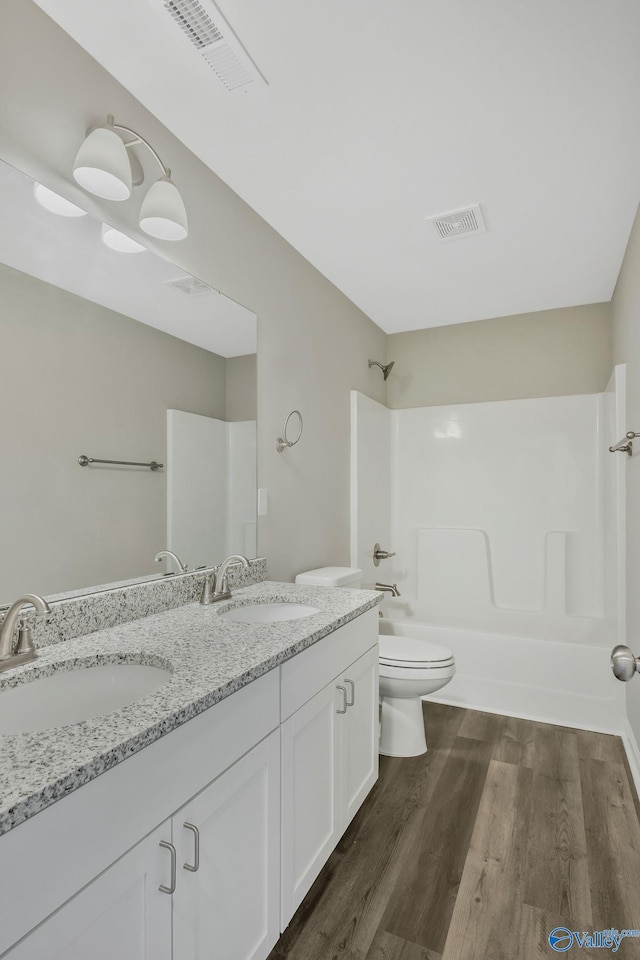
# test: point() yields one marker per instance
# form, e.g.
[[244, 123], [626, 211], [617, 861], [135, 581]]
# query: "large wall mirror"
[[115, 356]]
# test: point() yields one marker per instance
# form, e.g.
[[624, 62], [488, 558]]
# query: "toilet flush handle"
[[623, 663]]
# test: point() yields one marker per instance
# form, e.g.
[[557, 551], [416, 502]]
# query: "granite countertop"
[[208, 658]]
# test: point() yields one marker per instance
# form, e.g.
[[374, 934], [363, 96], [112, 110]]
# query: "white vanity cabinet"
[[329, 749], [122, 914], [218, 860], [233, 813], [92, 840], [360, 733], [226, 902]]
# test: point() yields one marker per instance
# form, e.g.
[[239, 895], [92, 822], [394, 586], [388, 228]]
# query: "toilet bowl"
[[410, 668]]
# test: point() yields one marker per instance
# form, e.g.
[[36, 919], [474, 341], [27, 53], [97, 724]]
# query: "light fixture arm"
[[137, 139]]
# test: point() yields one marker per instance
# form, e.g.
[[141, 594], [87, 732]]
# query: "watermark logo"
[[562, 939]]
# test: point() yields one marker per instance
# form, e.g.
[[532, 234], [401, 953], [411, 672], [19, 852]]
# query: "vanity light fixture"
[[103, 167], [54, 203], [116, 240]]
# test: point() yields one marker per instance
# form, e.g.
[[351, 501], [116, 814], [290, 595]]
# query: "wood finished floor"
[[504, 830]]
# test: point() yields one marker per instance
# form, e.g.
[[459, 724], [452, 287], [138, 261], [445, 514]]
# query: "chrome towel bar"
[[153, 465]]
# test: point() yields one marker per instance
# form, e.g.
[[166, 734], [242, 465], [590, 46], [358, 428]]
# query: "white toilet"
[[410, 668]]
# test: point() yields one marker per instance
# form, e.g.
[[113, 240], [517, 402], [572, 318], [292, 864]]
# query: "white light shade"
[[163, 214], [116, 240], [102, 166], [54, 203]]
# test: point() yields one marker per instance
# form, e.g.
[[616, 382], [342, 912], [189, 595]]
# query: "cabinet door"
[[311, 819], [360, 733], [229, 907], [121, 914]]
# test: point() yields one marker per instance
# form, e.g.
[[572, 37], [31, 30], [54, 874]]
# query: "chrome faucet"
[[23, 650], [217, 590], [182, 567], [391, 588]]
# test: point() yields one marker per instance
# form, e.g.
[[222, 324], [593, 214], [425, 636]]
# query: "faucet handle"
[[380, 554], [25, 642], [207, 590], [12, 617], [222, 586]]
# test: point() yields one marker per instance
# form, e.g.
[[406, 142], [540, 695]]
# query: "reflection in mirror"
[[115, 356]]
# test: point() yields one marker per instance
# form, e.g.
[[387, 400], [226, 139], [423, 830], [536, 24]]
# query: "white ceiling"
[[379, 114], [69, 253]]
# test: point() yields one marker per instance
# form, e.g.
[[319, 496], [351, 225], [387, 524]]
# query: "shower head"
[[386, 368]]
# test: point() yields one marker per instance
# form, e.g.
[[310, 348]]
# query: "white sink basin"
[[269, 612], [70, 696]]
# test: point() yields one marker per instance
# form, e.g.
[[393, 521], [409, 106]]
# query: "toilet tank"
[[331, 577]]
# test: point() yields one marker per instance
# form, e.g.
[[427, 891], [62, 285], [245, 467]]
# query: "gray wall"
[[313, 343], [545, 354], [626, 348], [241, 392], [80, 379]]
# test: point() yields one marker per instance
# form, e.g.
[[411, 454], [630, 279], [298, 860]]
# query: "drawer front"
[[306, 673]]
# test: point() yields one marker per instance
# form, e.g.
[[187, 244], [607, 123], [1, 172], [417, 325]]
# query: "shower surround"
[[506, 524]]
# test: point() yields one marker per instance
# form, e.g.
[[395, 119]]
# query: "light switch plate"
[[262, 501]]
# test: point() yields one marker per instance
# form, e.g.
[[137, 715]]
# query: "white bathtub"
[[564, 683]]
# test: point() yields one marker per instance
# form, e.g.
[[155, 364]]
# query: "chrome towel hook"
[[283, 442]]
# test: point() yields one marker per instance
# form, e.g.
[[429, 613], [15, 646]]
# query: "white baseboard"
[[632, 751], [565, 708], [573, 724]]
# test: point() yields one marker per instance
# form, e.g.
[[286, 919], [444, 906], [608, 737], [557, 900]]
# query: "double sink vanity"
[[170, 786]]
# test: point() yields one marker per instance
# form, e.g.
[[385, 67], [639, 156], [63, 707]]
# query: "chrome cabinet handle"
[[193, 868], [344, 693], [172, 883], [351, 702]]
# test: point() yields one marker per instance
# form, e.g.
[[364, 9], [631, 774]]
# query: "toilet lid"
[[413, 651]]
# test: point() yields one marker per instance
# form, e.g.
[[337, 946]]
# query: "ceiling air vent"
[[191, 286], [459, 223], [210, 34]]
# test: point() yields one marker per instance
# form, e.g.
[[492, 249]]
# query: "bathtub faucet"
[[391, 588]]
